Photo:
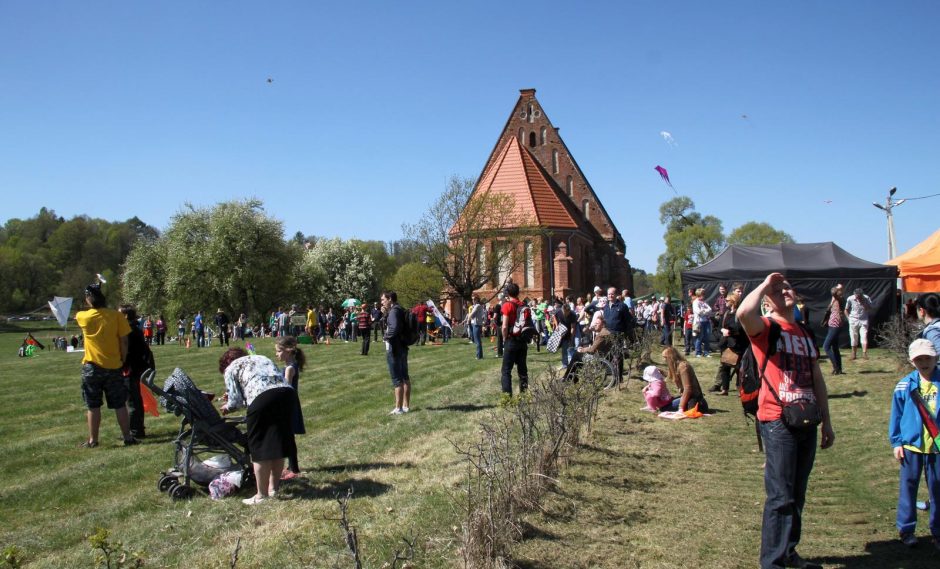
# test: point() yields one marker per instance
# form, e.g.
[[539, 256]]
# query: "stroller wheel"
[[165, 482], [180, 492]]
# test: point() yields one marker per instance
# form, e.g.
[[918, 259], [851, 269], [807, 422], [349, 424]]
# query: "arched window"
[[544, 135], [531, 116], [521, 135], [569, 185], [586, 206], [554, 161], [529, 274], [532, 140]]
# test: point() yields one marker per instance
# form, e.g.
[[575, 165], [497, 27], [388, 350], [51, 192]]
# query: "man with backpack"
[[792, 401], [517, 325], [397, 338]]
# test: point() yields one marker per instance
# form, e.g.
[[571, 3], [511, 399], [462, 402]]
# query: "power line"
[[921, 197]]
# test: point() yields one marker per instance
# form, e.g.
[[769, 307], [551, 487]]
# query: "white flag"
[[438, 315], [61, 306]]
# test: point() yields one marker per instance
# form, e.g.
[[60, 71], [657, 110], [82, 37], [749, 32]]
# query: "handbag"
[[797, 415], [555, 339], [825, 319], [729, 357]]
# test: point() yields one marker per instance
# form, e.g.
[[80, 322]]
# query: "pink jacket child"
[[655, 392]]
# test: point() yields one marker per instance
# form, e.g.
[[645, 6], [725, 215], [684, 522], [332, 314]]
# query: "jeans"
[[789, 458], [364, 334], [666, 337], [397, 359], [688, 341], [911, 468], [566, 350], [200, 338], [514, 353], [831, 345], [500, 344], [704, 337], [475, 335]]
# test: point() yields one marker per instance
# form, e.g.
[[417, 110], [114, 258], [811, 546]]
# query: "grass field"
[[643, 492]]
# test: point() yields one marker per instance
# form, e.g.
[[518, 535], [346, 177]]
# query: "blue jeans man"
[[476, 335], [704, 337], [789, 460]]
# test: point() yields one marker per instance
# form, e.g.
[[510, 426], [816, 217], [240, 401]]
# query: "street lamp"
[[890, 204]]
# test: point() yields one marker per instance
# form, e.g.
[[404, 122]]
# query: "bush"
[[895, 336]]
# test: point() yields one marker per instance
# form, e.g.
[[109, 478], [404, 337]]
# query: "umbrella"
[[351, 302]]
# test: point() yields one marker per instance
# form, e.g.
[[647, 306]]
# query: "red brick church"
[[531, 163]]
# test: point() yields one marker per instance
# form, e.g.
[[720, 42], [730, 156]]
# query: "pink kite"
[[665, 176]]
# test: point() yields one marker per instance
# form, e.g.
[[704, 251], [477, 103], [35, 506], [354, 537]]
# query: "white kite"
[[438, 315], [61, 306], [667, 136]]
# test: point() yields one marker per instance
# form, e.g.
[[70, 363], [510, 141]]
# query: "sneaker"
[[396, 411], [714, 389], [131, 442], [405, 409], [799, 563], [254, 500], [909, 539], [89, 444]]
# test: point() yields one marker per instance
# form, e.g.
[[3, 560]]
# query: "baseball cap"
[[921, 347], [652, 373]]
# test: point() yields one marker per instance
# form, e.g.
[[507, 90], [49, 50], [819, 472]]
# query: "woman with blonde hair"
[[680, 372]]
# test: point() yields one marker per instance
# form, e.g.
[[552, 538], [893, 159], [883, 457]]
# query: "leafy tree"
[[468, 236], [691, 240], [642, 282], [333, 270], [231, 255], [758, 233], [385, 265], [416, 282]]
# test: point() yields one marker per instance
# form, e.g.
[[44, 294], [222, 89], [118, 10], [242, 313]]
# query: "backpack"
[[524, 327], [410, 334], [749, 372]]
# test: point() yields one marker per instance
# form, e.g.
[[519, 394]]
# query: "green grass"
[[642, 492]]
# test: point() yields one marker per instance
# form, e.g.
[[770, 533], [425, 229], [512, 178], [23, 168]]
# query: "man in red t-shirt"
[[794, 373], [421, 313], [515, 349]]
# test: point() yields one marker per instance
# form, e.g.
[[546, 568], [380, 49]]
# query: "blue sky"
[[116, 109]]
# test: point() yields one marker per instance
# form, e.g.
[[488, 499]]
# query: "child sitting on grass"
[[655, 391], [915, 397]]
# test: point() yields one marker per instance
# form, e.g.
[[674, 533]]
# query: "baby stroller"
[[203, 432]]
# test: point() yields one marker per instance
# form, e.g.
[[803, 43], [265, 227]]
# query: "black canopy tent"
[[812, 268]]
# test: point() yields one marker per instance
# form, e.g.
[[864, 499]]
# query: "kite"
[[667, 136], [665, 176], [61, 306]]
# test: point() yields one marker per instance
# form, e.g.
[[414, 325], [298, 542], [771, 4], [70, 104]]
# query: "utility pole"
[[890, 203]]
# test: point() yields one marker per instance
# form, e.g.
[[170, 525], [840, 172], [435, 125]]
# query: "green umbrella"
[[351, 302]]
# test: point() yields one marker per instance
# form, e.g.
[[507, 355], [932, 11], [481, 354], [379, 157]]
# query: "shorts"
[[858, 328], [97, 381]]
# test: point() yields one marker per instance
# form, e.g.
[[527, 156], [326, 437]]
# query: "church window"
[[586, 206], [521, 135], [569, 185], [554, 161], [529, 277], [502, 256], [532, 140], [544, 135]]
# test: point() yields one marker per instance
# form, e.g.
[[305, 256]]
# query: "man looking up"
[[396, 351], [793, 372], [105, 332]]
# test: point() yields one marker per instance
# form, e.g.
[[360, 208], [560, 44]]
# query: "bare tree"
[[474, 238]]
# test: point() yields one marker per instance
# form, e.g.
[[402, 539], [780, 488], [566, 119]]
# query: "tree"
[[642, 282], [758, 233], [691, 240], [333, 270], [416, 282], [471, 237], [231, 256]]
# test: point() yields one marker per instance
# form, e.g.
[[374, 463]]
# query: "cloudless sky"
[[115, 109]]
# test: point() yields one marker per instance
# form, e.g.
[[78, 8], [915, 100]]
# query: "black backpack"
[[750, 372], [524, 327], [410, 333]]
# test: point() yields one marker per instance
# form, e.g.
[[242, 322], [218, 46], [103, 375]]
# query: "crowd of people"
[[771, 319]]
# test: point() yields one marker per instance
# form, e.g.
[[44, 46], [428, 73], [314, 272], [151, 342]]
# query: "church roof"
[[517, 174]]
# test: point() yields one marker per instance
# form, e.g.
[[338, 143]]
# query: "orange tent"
[[920, 266]]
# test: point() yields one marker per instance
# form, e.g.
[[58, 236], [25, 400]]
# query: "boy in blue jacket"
[[914, 447]]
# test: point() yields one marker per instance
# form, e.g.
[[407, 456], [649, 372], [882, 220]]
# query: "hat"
[[652, 373], [921, 347]]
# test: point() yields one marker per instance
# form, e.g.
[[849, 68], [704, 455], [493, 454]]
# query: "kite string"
[[922, 197]]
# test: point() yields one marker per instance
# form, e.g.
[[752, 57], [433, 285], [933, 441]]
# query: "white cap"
[[597, 288], [921, 347], [652, 373]]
